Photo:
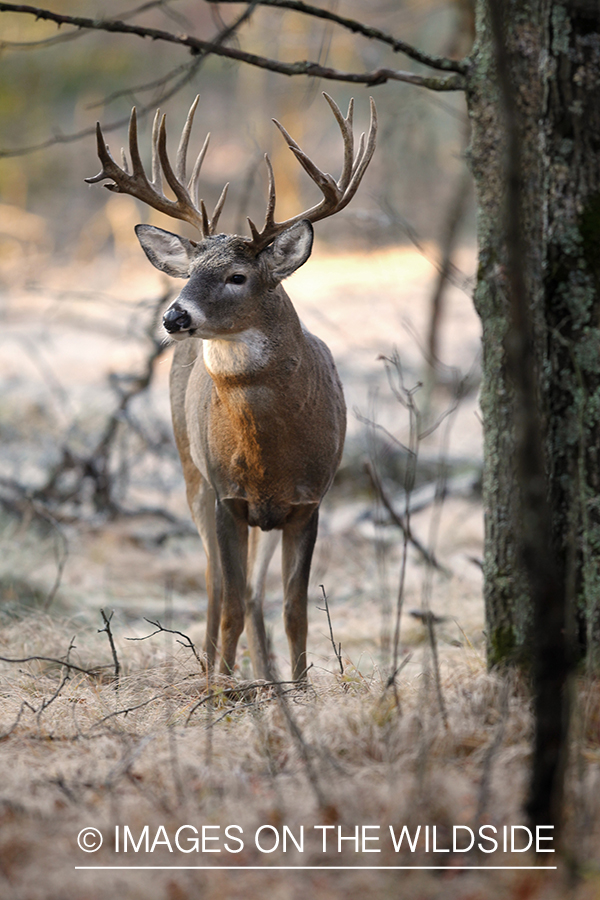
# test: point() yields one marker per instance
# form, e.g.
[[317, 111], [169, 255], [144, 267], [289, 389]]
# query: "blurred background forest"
[[57, 83]]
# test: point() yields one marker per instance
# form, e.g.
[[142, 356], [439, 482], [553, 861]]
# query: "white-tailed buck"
[[258, 408]]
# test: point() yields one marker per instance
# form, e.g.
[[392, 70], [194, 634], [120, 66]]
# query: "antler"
[[186, 205], [336, 194]]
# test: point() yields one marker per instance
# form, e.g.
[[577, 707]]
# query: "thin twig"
[[52, 659], [24, 705], [66, 677], [107, 620], [46, 703], [124, 712], [430, 622], [391, 681], [74, 35], [429, 558], [336, 649], [234, 693], [187, 641], [253, 704]]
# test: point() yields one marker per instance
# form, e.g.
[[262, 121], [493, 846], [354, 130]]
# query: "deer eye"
[[237, 279]]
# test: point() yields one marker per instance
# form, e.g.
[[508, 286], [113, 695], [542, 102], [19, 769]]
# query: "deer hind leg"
[[202, 505], [299, 536], [232, 537], [262, 546]]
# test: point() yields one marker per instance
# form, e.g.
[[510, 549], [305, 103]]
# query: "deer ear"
[[168, 252], [289, 250]]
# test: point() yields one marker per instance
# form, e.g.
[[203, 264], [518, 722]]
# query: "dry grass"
[[73, 757]]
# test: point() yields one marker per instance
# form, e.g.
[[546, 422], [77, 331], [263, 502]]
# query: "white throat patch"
[[245, 352]]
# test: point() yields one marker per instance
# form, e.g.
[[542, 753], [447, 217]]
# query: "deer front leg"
[[232, 537], [299, 536], [262, 547], [201, 499]]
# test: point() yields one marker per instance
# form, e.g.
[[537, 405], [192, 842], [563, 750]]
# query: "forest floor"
[[444, 748]]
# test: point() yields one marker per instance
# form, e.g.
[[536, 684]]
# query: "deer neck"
[[271, 344]]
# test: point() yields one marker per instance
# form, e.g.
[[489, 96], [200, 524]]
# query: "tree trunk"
[[554, 52]]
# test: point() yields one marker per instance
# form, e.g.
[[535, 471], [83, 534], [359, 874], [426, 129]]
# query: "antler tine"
[[187, 210], [134, 151], [218, 209], [270, 212], [205, 219], [156, 173], [180, 162], [137, 184], [363, 158], [336, 195], [348, 138], [165, 163], [194, 180], [109, 166]]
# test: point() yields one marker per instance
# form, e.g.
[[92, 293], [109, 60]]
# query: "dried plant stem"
[[107, 620], [430, 619], [337, 649]]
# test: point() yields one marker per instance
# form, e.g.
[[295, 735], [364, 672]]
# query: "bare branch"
[[74, 35], [133, 90], [428, 59], [453, 82], [259, 690], [189, 70]]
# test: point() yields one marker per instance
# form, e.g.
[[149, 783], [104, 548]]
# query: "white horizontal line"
[[317, 868]]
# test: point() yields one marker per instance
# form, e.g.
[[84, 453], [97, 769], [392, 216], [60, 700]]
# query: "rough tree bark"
[[554, 53]]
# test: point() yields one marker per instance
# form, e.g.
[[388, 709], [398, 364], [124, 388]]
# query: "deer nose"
[[176, 319]]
